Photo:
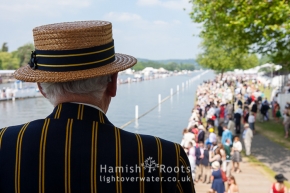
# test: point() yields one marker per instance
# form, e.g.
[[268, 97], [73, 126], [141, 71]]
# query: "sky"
[[151, 29]]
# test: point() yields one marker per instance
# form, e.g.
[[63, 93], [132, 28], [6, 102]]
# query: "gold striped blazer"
[[77, 149]]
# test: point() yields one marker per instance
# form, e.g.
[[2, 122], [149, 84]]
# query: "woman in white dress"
[[236, 154], [191, 157], [187, 137], [223, 157]]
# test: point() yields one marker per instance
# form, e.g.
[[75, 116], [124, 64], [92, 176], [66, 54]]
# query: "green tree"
[[187, 67], [138, 67], [248, 25], [15, 59], [282, 58], [265, 59], [8, 62], [170, 66], [24, 53], [223, 58], [4, 47]]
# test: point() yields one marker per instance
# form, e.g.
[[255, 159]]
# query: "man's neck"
[[89, 100]]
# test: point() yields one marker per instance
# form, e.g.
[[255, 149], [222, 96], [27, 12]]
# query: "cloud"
[[122, 17], [159, 22], [138, 21], [175, 21], [132, 19], [148, 2], [15, 9], [74, 3], [149, 38], [171, 4]]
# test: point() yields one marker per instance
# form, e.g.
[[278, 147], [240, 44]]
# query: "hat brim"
[[27, 74]]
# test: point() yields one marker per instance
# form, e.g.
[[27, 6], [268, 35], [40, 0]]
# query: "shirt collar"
[[90, 105], [79, 111]]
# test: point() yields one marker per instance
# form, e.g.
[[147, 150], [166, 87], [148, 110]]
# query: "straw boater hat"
[[73, 51]]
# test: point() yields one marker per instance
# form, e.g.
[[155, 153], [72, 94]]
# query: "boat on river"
[[19, 90]]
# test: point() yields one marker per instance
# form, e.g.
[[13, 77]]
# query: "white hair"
[[91, 86]]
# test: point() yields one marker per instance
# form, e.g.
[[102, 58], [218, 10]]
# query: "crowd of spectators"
[[225, 114]]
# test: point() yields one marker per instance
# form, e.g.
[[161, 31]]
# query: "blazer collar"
[[78, 112]]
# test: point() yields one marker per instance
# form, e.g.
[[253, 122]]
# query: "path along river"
[[165, 121]]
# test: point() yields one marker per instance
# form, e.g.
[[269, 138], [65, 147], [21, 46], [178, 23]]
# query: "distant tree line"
[[21, 57], [172, 66], [15, 59]]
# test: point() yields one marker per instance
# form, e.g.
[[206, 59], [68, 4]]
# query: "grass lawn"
[[274, 131], [203, 120], [267, 92]]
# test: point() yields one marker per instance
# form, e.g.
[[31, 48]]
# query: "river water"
[[166, 121]]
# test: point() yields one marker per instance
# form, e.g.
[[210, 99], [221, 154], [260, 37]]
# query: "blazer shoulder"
[[16, 128], [150, 138], [165, 143]]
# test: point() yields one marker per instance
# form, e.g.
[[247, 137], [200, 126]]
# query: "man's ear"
[[40, 89], [112, 85]]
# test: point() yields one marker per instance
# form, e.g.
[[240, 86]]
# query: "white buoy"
[[177, 88], [171, 91], [159, 98], [136, 125], [136, 112]]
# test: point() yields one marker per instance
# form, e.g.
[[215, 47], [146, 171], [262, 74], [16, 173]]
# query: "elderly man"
[[76, 148], [247, 136]]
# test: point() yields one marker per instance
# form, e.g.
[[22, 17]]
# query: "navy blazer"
[[205, 160], [200, 136], [77, 149], [197, 155]]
